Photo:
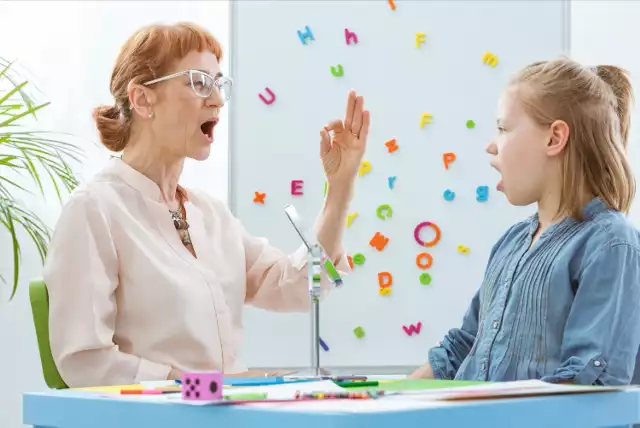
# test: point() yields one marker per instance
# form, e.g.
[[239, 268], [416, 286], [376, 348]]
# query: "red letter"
[[350, 37], [296, 187], [272, 97]]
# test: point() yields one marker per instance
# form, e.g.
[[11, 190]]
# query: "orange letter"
[[381, 279], [448, 158], [379, 241], [424, 260], [391, 145]]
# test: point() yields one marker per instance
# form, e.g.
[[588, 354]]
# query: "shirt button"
[[495, 324], [597, 363]]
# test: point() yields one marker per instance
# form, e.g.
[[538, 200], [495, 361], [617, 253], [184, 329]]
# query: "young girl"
[[560, 300]]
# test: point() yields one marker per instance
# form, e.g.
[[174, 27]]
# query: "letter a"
[[350, 37], [272, 97], [306, 35]]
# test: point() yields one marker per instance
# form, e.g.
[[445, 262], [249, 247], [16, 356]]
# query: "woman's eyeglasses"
[[202, 83]]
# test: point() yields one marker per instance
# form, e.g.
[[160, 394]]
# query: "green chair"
[[40, 308]]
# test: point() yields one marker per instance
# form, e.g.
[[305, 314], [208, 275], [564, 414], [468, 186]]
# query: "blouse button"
[[597, 363]]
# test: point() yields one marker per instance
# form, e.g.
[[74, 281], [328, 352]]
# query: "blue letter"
[[392, 180], [482, 193], [306, 35]]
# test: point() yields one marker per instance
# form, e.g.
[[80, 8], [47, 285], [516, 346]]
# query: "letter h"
[[306, 35], [350, 36]]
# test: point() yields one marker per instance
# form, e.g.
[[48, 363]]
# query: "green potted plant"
[[31, 161]]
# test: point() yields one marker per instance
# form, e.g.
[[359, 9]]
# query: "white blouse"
[[129, 302]]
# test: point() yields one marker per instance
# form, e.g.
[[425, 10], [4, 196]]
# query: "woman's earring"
[[151, 115]]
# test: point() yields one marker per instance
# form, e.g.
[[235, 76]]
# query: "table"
[[76, 409]]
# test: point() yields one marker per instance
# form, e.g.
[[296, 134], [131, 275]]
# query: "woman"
[[147, 279]]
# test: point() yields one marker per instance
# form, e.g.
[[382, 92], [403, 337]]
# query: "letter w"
[[413, 328]]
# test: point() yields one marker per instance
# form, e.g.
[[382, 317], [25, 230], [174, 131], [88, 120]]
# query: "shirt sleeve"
[[602, 332], [446, 358], [278, 281], [81, 274]]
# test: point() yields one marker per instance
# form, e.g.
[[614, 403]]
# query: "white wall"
[[607, 32], [69, 48]]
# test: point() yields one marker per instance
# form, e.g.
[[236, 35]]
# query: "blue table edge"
[[72, 408]]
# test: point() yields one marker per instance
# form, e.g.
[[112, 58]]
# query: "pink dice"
[[203, 386]]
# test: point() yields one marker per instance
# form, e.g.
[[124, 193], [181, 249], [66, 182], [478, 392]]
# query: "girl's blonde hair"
[[595, 103]]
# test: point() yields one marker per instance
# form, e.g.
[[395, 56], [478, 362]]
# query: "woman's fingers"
[[351, 103], [366, 121], [356, 124], [335, 125], [325, 143]]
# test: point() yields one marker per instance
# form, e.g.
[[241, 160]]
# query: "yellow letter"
[[426, 118], [365, 168], [419, 39]]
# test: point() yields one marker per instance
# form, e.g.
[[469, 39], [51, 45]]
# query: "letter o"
[[434, 241]]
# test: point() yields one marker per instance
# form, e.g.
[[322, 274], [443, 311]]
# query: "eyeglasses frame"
[[189, 73]]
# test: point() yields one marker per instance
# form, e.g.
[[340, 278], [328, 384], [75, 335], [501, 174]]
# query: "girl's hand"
[[343, 142]]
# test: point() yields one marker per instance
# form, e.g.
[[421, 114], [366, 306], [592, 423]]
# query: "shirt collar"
[[590, 210], [593, 208], [137, 180]]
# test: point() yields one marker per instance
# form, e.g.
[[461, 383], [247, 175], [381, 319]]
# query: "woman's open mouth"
[[207, 128]]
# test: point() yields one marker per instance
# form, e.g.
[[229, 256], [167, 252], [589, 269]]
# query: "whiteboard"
[[443, 76]]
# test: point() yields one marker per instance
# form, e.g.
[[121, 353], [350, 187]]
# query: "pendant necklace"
[[181, 226]]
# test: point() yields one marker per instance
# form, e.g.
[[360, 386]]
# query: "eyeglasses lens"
[[203, 85]]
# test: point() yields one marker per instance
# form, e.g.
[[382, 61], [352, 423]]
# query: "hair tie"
[[594, 69]]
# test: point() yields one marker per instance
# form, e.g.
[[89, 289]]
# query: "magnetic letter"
[[448, 159], [296, 187], [385, 279], [350, 37], [379, 241], [449, 195], [306, 35], [384, 211], [412, 328], [392, 146], [424, 260], [392, 4], [392, 181], [419, 39], [339, 72], [272, 97], [350, 218], [365, 168], [384, 291], [482, 193], [259, 199], [490, 59], [426, 118], [358, 259]]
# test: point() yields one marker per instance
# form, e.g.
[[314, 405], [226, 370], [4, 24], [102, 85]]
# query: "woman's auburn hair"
[[148, 54]]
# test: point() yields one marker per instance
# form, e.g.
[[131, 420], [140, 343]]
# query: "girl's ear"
[[558, 137]]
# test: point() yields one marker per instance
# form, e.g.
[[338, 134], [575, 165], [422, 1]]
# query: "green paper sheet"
[[417, 384]]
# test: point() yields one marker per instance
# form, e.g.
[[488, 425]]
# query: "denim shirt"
[[566, 309]]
